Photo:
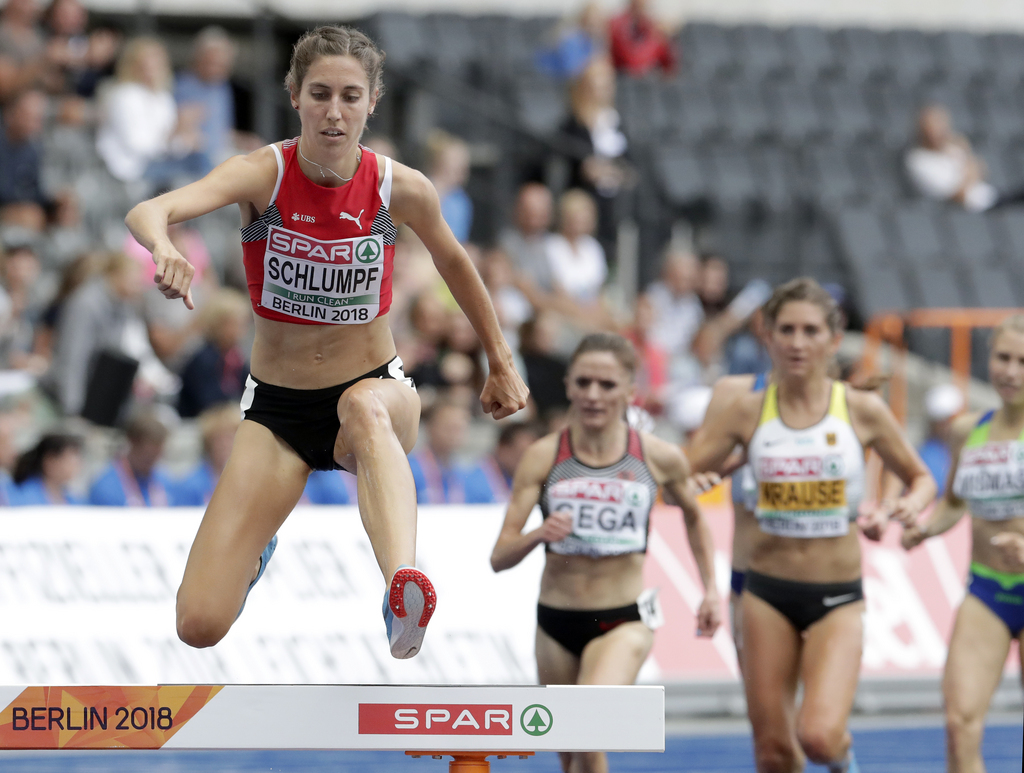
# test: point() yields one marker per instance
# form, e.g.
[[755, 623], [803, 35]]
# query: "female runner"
[[319, 214], [596, 483], [987, 478], [802, 603]]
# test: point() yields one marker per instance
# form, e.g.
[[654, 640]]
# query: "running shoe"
[[854, 767], [268, 551], [408, 606]]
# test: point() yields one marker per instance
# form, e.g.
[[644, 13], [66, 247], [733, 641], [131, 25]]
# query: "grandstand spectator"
[[594, 122], [24, 62], [205, 90], [79, 57], [638, 44], [677, 308], [430, 322], [576, 259], [511, 306], [217, 426], [44, 472], [545, 368], [134, 480], [74, 275], [490, 481], [651, 380], [67, 237], [449, 171], [723, 321], [140, 136], [8, 456], [439, 478], [95, 318], [20, 272], [217, 371], [526, 242], [22, 200], [575, 42], [942, 404], [713, 284], [943, 166]]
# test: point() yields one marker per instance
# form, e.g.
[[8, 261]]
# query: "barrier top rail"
[[340, 717]]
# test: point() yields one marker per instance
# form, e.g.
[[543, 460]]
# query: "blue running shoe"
[[265, 556], [854, 767], [408, 607]]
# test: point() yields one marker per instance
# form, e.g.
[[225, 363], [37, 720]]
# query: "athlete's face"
[[1006, 366], [801, 341], [599, 389], [333, 103]]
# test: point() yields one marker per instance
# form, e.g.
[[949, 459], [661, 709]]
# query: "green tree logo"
[[535, 719], [367, 251]]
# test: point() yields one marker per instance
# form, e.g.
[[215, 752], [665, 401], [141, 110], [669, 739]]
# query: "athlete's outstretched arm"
[[878, 429], [239, 179], [951, 508], [414, 201], [672, 466], [720, 433], [512, 545]]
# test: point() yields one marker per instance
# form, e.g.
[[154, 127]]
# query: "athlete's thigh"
[[555, 664], [830, 666], [356, 404], [771, 663], [977, 652], [616, 657], [261, 484]]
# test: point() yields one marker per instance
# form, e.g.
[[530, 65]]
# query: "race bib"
[[609, 516], [991, 479], [333, 282], [803, 508], [650, 609]]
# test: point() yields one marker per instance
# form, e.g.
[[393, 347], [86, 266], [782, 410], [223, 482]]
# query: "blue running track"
[[901, 750]]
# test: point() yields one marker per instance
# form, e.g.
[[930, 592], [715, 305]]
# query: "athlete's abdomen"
[[318, 356], [802, 559], [582, 582]]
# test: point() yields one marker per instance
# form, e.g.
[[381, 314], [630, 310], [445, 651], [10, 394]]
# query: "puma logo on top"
[[353, 218]]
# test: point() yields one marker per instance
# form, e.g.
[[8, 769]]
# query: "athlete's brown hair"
[[336, 40], [608, 342], [804, 289]]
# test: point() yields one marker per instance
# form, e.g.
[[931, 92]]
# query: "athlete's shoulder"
[[962, 426], [538, 459], [254, 173], [413, 196], [662, 456]]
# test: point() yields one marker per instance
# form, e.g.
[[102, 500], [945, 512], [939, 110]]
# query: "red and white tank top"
[[322, 256], [610, 506]]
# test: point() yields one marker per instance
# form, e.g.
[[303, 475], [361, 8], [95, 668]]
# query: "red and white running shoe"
[[408, 606]]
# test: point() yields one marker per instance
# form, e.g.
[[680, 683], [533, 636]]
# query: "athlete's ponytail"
[[336, 41]]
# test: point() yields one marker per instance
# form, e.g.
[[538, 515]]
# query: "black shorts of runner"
[[307, 419], [574, 629], [803, 603]]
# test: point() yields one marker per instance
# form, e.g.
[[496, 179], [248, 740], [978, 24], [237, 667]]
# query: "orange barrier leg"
[[470, 762]]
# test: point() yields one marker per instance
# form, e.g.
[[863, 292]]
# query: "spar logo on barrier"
[[434, 719], [536, 719]]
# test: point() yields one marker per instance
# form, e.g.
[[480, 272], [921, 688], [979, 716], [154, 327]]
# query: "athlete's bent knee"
[[823, 743], [963, 732], [362, 415], [199, 629]]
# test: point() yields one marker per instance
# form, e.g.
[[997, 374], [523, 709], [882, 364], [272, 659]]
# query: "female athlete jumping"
[[319, 214]]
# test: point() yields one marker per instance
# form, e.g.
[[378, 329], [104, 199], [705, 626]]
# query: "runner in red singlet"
[[319, 214]]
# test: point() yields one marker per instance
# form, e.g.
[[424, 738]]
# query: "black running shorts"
[[307, 419]]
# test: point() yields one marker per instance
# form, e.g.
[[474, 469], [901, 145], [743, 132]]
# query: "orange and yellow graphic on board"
[[99, 717]]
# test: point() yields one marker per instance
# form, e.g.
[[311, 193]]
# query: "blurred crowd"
[[111, 395]]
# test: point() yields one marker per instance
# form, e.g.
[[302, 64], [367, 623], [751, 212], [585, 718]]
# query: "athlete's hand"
[[709, 615], [1011, 547], [504, 391], [906, 511], [913, 536], [873, 523], [556, 526], [703, 482], [173, 273]]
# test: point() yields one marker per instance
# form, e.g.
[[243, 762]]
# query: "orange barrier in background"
[[891, 328]]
